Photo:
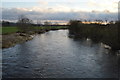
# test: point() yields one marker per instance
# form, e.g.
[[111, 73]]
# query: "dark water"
[[55, 55]]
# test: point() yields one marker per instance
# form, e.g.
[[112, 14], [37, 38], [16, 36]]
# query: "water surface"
[[55, 55]]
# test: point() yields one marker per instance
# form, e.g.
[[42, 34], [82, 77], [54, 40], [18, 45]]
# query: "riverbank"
[[14, 29], [107, 34], [10, 38]]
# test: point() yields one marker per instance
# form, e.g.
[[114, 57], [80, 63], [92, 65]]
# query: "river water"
[[54, 55]]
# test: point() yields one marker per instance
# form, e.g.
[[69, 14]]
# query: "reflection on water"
[[55, 55]]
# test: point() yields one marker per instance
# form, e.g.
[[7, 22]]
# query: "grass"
[[8, 30]]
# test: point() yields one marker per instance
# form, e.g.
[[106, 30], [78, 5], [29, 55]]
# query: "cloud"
[[102, 5], [41, 2], [14, 13]]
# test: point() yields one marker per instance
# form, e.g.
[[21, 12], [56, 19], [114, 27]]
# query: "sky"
[[61, 10]]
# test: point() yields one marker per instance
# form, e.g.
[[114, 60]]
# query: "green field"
[[8, 30]]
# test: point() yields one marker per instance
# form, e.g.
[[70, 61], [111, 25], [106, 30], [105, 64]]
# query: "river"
[[54, 55]]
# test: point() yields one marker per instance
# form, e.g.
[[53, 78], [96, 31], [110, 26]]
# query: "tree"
[[56, 23], [46, 23], [74, 26], [111, 22], [5, 23], [39, 23], [24, 24]]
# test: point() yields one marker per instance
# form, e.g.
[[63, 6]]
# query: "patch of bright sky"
[[65, 5], [18, 4]]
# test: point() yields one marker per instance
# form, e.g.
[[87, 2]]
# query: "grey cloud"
[[13, 14]]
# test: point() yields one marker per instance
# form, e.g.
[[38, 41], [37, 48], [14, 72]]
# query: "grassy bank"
[[7, 30], [14, 29], [13, 35], [108, 34]]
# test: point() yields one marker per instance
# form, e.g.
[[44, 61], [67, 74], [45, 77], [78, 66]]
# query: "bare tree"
[[24, 24], [111, 22], [39, 23], [46, 23], [56, 23]]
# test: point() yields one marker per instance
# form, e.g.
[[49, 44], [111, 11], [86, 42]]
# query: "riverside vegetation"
[[107, 34], [23, 30], [13, 35]]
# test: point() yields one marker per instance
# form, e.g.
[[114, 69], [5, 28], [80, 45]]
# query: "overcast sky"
[[60, 10]]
